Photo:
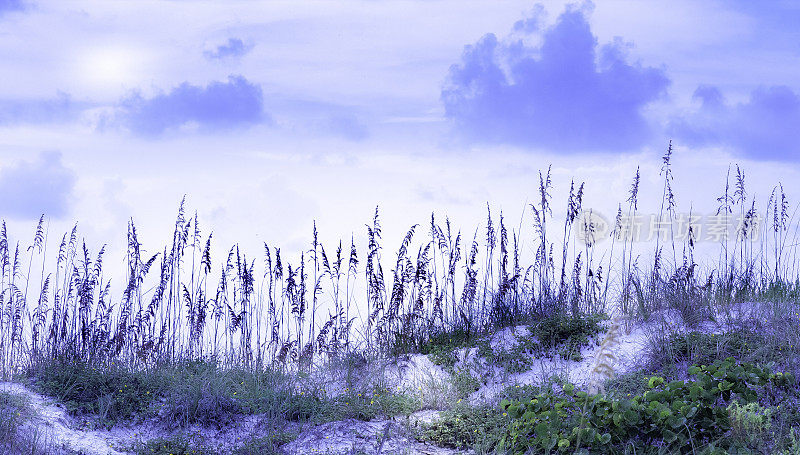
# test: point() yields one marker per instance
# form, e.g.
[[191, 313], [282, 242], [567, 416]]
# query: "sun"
[[111, 67]]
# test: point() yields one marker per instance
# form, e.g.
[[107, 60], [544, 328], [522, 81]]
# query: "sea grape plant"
[[678, 416]]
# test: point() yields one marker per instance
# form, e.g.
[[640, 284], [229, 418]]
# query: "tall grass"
[[290, 311]]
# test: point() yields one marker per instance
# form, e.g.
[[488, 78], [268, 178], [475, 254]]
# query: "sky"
[[270, 116]]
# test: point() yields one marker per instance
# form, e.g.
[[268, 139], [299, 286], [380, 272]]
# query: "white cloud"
[[33, 188]]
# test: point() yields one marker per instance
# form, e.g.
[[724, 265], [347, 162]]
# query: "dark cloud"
[[54, 110], [11, 5], [217, 106], [235, 47], [564, 95], [766, 126], [30, 189]]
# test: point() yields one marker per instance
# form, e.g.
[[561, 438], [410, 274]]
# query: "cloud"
[[235, 47], [763, 127], [347, 126], [563, 95], [779, 16], [32, 188], [533, 22], [53, 110], [218, 106], [11, 5], [321, 118]]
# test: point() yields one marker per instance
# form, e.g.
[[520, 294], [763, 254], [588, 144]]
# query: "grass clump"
[[366, 405], [479, 428], [631, 384], [440, 346], [181, 394], [386, 403], [522, 392], [778, 290], [194, 392], [699, 347], [200, 393]]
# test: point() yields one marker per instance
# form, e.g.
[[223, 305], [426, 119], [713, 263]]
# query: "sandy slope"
[[56, 426]]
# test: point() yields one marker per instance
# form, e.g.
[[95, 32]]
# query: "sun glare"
[[110, 67]]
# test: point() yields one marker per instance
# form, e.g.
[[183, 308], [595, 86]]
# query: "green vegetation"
[[676, 417], [111, 394], [441, 347], [466, 427]]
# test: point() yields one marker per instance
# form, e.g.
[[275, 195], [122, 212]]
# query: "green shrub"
[[305, 406], [390, 404], [521, 392]]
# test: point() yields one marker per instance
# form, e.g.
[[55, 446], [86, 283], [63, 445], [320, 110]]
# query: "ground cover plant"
[[674, 417], [191, 340]]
